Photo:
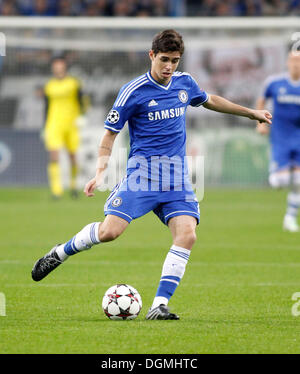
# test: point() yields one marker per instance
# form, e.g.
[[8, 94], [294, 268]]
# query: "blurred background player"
[[64, 114], [284, 91]]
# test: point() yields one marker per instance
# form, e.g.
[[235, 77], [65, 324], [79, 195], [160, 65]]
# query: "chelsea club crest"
[[183, 96], [116, 202]]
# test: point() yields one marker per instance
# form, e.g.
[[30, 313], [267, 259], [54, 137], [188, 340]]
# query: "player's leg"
[[73, 175], [54, 174], [182, 223], [281, 177], [183, 230], [293, 202], [53, 143], [91, 234], [72, 144], [120, 208]]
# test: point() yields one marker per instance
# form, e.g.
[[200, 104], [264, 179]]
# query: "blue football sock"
[[83, 240], [172, 272]]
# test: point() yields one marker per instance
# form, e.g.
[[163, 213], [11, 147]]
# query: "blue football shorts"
[[284, 157], [130, 205]]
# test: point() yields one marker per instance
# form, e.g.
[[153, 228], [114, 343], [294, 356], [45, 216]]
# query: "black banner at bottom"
[[133, 363]]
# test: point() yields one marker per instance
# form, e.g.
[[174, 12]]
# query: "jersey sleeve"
[[79, 95], [197, 95], [266, 91], [46, 101], [122, 110]]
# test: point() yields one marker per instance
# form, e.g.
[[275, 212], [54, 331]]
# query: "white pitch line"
[[71, 285], [215, 284], [155, 263]]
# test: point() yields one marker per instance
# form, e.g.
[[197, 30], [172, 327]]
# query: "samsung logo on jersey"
[[165, 114], [289, 99]]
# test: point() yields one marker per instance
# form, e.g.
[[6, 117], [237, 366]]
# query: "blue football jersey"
[[285, 96], [156, 118]]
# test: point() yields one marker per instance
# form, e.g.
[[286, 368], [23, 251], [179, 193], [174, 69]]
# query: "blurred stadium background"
[[231, 47]]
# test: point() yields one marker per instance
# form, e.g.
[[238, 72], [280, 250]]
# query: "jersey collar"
[[293, 82], [158, 84]]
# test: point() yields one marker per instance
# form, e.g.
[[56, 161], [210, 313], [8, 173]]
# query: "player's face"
[[163, 65], [59, 69], [293, 64]]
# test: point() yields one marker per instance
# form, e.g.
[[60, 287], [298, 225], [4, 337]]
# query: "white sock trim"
[[179, 252], [94, 232], [158, 300], [61, 252], [181, 249]]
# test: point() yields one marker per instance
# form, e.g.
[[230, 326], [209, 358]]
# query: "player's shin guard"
[[84, 240], [172, 272]]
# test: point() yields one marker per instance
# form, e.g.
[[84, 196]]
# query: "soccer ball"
[[121, 302]]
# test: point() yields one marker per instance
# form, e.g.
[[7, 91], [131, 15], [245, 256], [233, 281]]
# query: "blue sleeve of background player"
[[267, 89], [122, 110], [197, 96]]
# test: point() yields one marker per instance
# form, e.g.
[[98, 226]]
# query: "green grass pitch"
[[235, 297]]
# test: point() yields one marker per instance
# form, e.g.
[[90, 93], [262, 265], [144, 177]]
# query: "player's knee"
[[279, 180], [186, 238], [192, 237]]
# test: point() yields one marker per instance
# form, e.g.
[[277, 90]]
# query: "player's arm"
[[220, 104], [80, 100], [83, 101], [115, 121], [104, 152], [262, 128], [46, 107]]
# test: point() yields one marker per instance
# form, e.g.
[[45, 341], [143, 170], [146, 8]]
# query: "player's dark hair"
[[168, 41], [293, 47], [58, 57]]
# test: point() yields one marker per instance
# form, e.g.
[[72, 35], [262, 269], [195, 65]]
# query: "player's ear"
[[151, 54]]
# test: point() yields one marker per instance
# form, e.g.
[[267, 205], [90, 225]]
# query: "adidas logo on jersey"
[[152, 103]]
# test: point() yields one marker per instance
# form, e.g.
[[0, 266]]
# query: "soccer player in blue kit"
[[154, 105], [284, 91]]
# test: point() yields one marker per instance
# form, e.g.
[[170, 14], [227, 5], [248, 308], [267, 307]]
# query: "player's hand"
[[262, 128], [81, 121], [262, 116], [93, 184], [90, 187]]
